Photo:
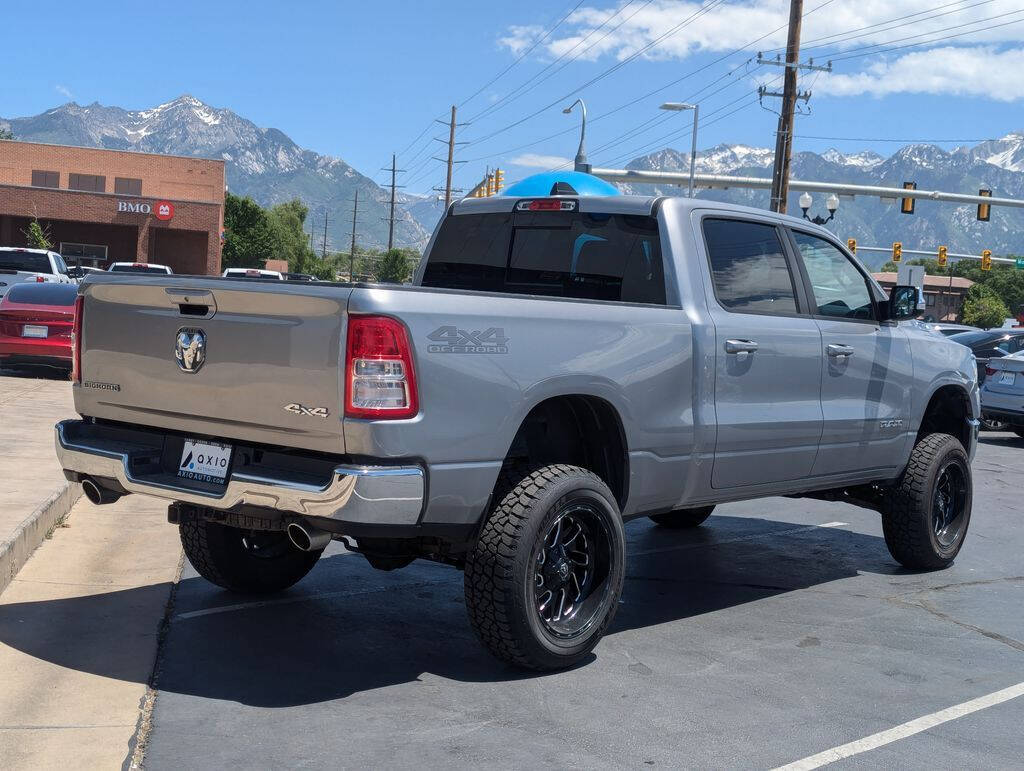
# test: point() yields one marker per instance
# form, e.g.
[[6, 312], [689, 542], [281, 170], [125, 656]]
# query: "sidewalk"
[[33, 492], [79, 629]]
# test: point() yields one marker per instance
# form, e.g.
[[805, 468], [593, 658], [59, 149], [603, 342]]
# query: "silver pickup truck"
[[561, 365]]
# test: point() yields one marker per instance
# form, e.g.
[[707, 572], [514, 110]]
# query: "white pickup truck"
[[18, 265]]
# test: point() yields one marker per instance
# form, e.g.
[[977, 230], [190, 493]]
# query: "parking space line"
[[906, 729], [735, 539]]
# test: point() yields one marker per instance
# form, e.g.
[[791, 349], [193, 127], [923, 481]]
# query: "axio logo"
[[134, 207]]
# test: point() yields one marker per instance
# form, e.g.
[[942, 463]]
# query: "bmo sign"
[[162, 210]]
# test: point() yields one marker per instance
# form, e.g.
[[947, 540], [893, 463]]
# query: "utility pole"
[[450, 162], [352, 254], [324, 255], [391, 217]]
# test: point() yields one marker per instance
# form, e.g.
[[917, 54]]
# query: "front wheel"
[[927, 512], [543, 581], [252, 562]]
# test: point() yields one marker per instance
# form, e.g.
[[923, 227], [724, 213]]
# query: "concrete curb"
[[15, 551]]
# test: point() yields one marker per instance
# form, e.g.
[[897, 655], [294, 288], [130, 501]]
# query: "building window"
[[929, 300], [45, 178], [127, 186], [93, 183]]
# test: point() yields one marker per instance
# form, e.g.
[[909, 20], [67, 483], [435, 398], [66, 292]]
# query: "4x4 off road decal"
[[451, 339]]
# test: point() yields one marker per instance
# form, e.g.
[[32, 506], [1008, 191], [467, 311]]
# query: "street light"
[[831, 203], [679, 107], [581, 154]]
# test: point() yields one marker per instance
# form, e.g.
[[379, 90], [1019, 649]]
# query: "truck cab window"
[[749, 268], [840, 289]]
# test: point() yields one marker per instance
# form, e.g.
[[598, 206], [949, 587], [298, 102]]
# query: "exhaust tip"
[[305, 538], [98, 495]]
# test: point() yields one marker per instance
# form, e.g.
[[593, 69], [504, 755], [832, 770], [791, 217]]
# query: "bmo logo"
[[162, 210]]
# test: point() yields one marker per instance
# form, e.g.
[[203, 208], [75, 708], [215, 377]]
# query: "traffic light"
[[943, 259], [897, 251], [984, 209], [490, 185], [851, 243], [907, 204], [499, 180], [986, 259]]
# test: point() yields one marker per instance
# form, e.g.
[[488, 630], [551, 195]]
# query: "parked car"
[[298, 277], [252, 273], [35, 325], [561, 365], [987, 345], [139, 267], [38, 266], [1002, 396], [947, 329]]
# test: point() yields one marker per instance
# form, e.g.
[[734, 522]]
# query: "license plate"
[[204, 461], [31, 330], [1007, 378]]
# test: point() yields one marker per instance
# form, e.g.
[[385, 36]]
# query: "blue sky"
[[360, 80]]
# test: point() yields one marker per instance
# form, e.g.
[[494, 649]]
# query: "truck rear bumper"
[[135, 461]]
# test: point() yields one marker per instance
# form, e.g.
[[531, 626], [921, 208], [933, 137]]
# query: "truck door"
[[767, 356], [867, 368]]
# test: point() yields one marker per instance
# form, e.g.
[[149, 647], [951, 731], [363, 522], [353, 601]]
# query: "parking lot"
[[780, 630]]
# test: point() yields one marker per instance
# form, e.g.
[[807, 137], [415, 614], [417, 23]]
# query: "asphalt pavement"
[[779, 630]]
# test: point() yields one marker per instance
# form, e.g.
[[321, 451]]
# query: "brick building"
[[943, 295], [104, 206]]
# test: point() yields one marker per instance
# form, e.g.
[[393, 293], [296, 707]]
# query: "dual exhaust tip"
[[303, 537]]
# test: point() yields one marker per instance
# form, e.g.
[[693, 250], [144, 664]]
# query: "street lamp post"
[[581, 154], [679, 107], [831, 203]]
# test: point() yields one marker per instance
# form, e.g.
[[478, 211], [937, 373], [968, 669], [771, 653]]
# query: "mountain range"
[[266, 164], [997, 165], [260, 162]]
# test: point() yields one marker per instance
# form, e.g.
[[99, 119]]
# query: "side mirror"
[[75, 272], [903, 303]]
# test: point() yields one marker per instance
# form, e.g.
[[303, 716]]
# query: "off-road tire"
[[219, 554], [907, 509], [500, 569], [682, 519]]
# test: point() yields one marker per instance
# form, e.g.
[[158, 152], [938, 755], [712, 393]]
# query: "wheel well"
[[947, 413], [579, 430]]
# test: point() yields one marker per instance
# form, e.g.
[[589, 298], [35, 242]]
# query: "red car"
[[35, 325]]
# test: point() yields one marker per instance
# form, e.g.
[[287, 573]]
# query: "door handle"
[[835, 350], [740, 346]]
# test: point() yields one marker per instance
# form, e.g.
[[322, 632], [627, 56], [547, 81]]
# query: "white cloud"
[[64, 91], [827, 32], [539, 161], [979, 71]]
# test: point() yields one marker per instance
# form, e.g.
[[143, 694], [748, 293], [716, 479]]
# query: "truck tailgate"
[[259, 361]]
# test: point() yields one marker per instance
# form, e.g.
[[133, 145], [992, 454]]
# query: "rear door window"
[[613, 257], [749, 268]]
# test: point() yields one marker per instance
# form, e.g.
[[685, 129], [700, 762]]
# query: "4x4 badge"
[[313, 412]]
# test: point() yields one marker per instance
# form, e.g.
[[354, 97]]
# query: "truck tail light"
[[380, 381], [76, 341]]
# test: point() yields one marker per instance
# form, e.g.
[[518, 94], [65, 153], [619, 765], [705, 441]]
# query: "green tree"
[[37, 237], [984, 308], [6, 133], [395, 266], [250, 238]]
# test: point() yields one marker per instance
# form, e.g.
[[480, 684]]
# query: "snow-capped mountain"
[[997, 165], [261, 162]]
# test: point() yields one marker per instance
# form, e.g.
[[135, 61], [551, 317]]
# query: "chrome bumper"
[[377, 495]]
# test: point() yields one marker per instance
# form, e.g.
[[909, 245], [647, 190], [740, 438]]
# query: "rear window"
[[137, 269], [43, 294], [26, 261], [582, 255]]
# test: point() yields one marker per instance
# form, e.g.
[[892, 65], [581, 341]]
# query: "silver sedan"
[[1002, 395]]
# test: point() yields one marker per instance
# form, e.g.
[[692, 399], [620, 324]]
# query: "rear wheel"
[[683, 518], [927, 512], [543, 581], [253, 562]]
